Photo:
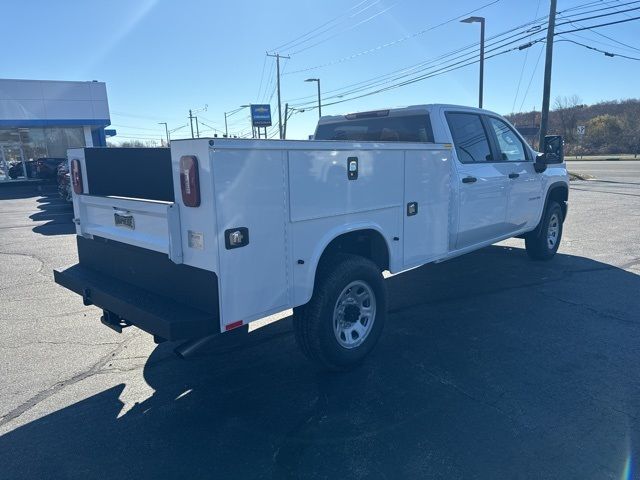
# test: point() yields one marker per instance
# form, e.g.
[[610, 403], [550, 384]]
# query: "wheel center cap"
[[351, 314]]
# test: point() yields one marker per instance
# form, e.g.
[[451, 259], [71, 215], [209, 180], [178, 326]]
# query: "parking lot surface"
[[490, 366]]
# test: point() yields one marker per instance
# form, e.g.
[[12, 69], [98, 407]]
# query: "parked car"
[[47, 167], [230, 231], [64, 182], [16, 170]]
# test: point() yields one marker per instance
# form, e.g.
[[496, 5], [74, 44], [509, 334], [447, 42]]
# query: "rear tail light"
[[76, 176], [190, 181]]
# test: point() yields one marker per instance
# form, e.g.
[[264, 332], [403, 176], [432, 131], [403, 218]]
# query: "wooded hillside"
[[610, 127]]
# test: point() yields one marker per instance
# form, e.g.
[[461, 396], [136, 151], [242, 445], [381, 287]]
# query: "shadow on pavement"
[[491, 366], [56, 212], [14, 192]]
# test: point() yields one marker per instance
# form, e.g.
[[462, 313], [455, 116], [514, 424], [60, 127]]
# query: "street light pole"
[[480, 20], [166, 129], [317, 80], [228, 114]]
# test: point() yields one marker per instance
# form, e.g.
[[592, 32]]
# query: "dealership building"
[[42, 118]]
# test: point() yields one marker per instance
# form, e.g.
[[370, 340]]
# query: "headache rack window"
[[407, 128], [130, 172]]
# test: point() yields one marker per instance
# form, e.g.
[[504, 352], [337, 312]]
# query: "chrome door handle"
[[514, 175], [469, 179]]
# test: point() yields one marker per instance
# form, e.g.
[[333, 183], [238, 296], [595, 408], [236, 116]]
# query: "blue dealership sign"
[[261, 115]]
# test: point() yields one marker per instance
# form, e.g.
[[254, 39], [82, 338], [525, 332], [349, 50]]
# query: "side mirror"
[[552, 152], [553, 149], [540, 165]]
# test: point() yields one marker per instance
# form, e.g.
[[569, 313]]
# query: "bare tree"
[[567, 110], [133, 144]]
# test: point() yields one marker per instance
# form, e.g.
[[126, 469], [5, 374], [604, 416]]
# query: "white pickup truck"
[[217, 233]]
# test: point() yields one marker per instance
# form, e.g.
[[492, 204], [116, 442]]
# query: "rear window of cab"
[[406, 128]]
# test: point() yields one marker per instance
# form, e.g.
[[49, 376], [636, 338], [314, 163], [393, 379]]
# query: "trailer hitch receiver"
[[113, 321]]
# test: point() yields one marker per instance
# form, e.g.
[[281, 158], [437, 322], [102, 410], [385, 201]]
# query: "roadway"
[[490, 366], [625, 170]]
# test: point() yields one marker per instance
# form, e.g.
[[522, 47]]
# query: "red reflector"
[[233, 325], [76, 176], [190, 181]]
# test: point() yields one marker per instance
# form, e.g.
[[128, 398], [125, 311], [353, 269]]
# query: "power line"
[[124, 114], [441, 71], [608, 54], [616, 12], [368, 19], [599, 42], [574, 22], [300, 37], [394, 42], [536, 20], [599, 25], [524, 63], [264, 63], [421, 65], [600, 3], [137, 128], [200, 116], [463, 57], [267, 85], [376, 81], [533, 73], [618, 1]]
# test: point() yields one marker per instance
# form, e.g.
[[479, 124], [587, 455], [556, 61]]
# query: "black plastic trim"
[[145, 288], [565, 207], [155, 314]]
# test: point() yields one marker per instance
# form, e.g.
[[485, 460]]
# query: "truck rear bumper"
[[144, 288]]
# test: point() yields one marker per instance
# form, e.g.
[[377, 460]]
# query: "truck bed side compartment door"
[[427, 179], [251, 217]]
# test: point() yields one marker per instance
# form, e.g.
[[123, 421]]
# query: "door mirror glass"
[[553, 149]]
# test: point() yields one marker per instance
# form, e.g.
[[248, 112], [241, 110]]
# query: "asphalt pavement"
[[619, 171], [491, 366]]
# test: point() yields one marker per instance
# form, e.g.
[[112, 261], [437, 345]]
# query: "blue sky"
[[160, 58]]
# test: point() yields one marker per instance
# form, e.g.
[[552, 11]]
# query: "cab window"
[[403, 128], [469, 137], [510, 146]]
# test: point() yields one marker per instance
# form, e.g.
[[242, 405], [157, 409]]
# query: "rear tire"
[[543, 242], [343, 320]]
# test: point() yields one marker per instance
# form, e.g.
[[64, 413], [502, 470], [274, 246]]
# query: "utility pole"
[[481, 87], [544, 116], [166, 129], [191, 117], [286, 118], [278, 57], [197, 128]]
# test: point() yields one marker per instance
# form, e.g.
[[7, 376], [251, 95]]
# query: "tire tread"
[[309, 318]]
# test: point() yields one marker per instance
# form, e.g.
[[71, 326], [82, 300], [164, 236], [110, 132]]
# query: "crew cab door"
[[483, 187], [525, 185]]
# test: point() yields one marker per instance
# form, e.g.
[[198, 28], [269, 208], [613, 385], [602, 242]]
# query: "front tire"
[[344, 319], [543, 242]]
